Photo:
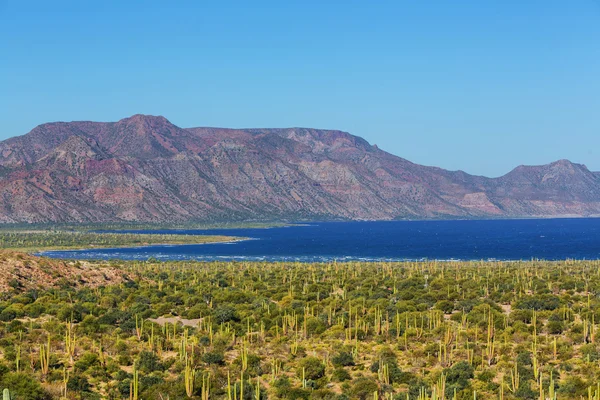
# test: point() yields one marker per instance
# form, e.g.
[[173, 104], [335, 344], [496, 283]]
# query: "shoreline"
[[37, 250], [301, 260], [233, 239], [141, 246]]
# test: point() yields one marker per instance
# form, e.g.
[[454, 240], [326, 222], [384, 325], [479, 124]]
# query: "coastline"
[[187, 240]]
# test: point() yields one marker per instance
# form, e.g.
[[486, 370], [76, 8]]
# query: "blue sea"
[[550, 239]]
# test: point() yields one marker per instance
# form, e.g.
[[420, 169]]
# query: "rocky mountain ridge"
[[146, 169]]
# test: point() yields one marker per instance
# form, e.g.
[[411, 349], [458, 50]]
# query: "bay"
[[549, 239]]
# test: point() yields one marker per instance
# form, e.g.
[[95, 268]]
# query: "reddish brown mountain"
[[144, 168]]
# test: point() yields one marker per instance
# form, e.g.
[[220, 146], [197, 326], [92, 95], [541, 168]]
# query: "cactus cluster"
[[414, 331]]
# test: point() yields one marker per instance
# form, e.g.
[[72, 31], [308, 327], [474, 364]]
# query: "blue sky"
[[480, 86]]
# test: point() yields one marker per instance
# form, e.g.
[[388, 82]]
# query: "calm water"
[[554, 239]]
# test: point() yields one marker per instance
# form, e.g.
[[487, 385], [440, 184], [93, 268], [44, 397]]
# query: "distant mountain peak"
[[144, 119], [563, 161], [147, 125], [559, 165]]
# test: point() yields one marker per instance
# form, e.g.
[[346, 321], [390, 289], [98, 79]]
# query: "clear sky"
[[477, 85]]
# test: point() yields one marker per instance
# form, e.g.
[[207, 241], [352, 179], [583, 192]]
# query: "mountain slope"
[[144, 168]]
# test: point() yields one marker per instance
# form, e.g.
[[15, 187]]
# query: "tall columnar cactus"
[[205, 392], [70, 340], [6, 394], [134, 386], [551, 388], [45, 357], [189, 378], [65, 381], [139, 327], [244, 355], [515, 379], [229, 391], [242, 384], [18, 358]]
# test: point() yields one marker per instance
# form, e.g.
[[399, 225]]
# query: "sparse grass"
[[34, 241]]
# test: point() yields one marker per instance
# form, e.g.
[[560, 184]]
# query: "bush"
[[340, 375], [525, 391], [322, 394], [313, 369], [445, 306], [22, 386], [343, 359], [7, 315], [213, 358], [458, 377], [555, 327], [540, 302], [315, 326], [148, 362], [89, 325], [285, 390], [225, 313], [86, 361], [78, 384], [573, 387], [589, 353], [363, 388]]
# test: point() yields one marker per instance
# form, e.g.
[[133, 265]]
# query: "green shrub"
[[343, 359], [313, 368], [149, 362]]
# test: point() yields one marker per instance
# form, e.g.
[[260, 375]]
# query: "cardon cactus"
[[6, 394]]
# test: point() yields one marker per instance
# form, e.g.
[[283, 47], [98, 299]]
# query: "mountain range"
[[146, 169]]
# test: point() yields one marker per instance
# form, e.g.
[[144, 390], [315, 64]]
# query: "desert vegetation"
[[422, 331], [37, 240]]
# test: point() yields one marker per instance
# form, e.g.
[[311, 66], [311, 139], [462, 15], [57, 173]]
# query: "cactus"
[[244, 355], [139, 327], [551, 389], [275, 369], [70, 341], [229, 397], [18, 358], [45, 357], [65, 381], [242, 384], [303, 378], [134, 386], [514, 379], [189, 378], [384, 373], [6, 394], [205, 394]]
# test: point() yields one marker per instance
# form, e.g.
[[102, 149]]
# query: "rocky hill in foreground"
[[144, 168], [20, 272]]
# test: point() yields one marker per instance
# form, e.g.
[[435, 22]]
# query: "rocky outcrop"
[[23, 272]]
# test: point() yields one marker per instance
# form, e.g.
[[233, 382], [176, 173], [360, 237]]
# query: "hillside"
[[19, 271], [145, 169]]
